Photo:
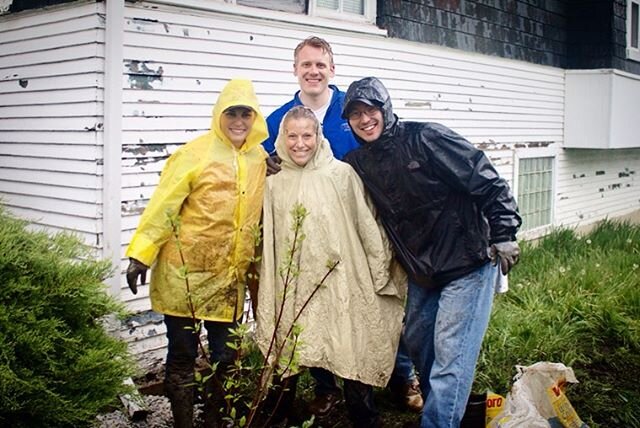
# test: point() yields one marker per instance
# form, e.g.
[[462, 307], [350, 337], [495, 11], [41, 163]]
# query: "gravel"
[[159, 415]]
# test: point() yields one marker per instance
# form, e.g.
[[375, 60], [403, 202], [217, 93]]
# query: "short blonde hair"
[[315, 42], [301, 112]]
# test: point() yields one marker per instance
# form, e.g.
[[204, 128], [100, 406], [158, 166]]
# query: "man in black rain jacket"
[[448, 214]]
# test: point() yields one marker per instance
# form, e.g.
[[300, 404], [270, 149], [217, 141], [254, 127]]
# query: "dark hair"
[[315, 42]]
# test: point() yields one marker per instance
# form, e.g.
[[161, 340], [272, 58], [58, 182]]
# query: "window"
[[348, 6], [633, 29], [535, 191], [293, 6], [354, 10]]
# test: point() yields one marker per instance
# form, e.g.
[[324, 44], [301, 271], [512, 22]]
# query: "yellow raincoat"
[[351, 326], [217, 192]]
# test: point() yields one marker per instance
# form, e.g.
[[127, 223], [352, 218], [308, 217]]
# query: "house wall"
[[619, 39], [528, 30], [597, 32], [51, 117], [573, 34], [596, 184]]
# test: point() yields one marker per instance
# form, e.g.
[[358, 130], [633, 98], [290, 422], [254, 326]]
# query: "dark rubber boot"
[[360, 404], [214, 402], [179, 390]]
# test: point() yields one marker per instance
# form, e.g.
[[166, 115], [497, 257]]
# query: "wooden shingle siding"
[[51, 67]]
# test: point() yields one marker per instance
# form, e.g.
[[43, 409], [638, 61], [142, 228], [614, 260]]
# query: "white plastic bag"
[[537, 399]]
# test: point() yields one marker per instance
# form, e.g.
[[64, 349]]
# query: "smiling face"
[[236, 123], [314, 69], [366, 121], [301, 139]]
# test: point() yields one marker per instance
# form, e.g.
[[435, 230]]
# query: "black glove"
[[508, 253], [136, 268], [273, 164]]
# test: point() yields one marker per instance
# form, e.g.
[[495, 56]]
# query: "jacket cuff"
[[501, 238], [142, 249]]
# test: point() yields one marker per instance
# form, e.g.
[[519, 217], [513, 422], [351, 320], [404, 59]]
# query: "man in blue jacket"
[[451, 218], [314, 68]]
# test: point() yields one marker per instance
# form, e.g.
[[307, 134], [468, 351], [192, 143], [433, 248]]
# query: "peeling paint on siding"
[[5, 5], [147, 150], [142, 319], [141, 76], [132, 207], [94, 128], [417, 104]]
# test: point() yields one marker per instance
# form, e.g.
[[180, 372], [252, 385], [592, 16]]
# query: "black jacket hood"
[[371, 91]]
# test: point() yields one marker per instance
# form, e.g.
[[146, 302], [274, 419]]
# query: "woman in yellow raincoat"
[[210, 194], [351, 326]]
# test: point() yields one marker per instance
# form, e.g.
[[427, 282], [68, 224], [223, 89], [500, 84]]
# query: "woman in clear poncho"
[[351, 325]]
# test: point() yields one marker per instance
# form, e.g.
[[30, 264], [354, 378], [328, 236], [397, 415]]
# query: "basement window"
[[535, 191]]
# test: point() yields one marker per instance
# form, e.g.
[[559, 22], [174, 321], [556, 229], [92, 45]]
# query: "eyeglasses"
[[357, 113]]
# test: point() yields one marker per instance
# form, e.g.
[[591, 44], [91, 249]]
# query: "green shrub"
[[58, 366], [574, 300]]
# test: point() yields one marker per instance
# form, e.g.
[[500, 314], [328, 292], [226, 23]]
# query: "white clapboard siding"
[[596, 184], [51, 68]]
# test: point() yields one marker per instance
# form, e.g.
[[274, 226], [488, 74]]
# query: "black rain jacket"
[[440, 200]]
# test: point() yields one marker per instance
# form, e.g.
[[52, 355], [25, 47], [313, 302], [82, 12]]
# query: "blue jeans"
[[444, 329], [403, 372]]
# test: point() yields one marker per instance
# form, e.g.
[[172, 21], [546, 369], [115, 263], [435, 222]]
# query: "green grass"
[[574, 300]]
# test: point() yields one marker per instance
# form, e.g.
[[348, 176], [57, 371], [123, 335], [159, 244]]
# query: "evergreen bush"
[[58, 366]]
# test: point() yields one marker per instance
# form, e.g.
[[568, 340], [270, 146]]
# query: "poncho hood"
[[321, 157]]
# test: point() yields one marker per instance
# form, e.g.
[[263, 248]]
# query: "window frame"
[[530, 153], [347, 22], [369, 15], [633, 53]]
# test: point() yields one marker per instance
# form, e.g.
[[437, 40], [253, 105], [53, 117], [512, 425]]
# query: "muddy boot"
[[214, 402], [179, 390]]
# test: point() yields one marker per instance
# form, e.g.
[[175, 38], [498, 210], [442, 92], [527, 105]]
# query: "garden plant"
[[58, 365]]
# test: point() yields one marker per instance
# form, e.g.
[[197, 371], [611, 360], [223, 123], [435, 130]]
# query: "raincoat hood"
[[371, 91], [239, 92], [321, 157]]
